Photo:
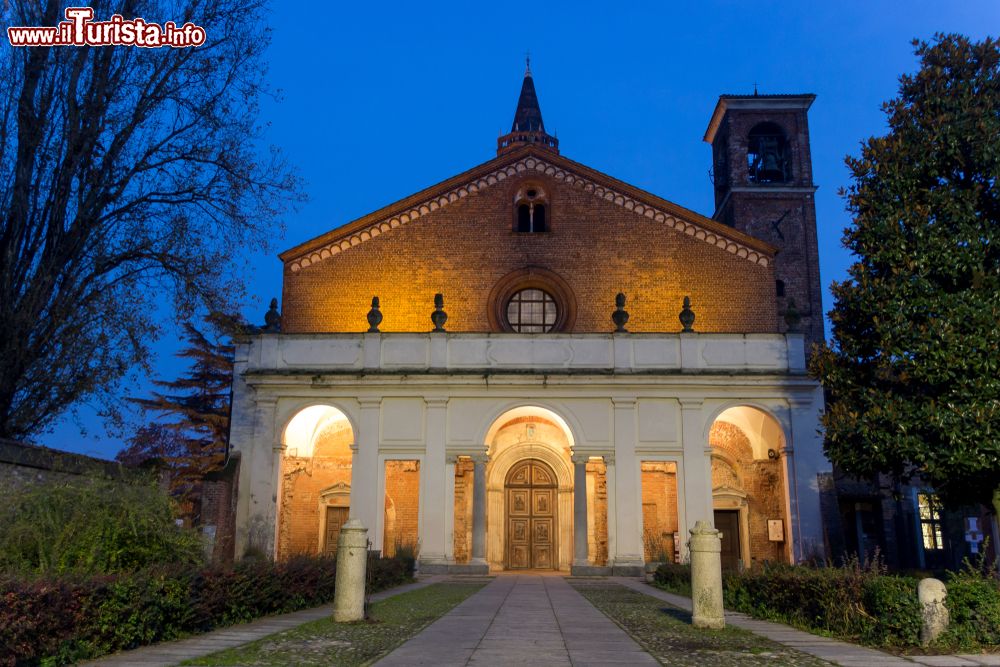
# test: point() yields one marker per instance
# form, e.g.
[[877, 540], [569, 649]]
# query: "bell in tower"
[[767, 155]]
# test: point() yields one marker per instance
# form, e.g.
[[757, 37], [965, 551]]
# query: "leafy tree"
[[193, 428], [913, 373], [129, 180]]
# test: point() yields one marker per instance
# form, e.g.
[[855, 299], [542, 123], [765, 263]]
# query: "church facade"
[[534, 365]]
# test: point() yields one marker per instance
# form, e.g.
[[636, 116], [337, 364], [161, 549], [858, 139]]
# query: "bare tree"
[[130, 179]]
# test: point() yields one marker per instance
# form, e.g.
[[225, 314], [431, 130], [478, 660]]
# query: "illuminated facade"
[[533, 365]]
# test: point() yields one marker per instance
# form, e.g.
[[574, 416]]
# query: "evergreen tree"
[[913, 373], [191, 431]]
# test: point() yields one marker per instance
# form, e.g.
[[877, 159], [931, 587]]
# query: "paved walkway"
[[166, 654], [825, 648], [519, 620]]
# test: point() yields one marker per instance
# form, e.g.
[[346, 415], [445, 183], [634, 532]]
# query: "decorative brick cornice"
[[524, 165]]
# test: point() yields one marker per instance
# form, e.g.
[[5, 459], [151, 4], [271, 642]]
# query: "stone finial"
[[933, 612], [272, 318], [374, 316], [439, 317], [792, 317], [620, 316], [687, 316]]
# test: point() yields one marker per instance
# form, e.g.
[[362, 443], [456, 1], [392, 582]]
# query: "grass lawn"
[[667, 634], [324, 643]]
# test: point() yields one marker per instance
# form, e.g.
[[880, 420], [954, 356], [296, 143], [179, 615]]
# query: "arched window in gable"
[[531, 209]]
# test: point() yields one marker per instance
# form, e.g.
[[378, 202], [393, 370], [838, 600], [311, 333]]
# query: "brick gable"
[[604, 238]]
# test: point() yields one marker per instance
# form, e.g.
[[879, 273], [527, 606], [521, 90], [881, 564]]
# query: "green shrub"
[[92, 526], [894, 610], [858, 601], [674, 577], [64, 619], [973, 604]]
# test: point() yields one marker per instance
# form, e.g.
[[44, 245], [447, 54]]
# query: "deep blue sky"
[[380, 100]]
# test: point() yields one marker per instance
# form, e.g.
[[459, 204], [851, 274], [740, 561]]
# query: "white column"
[[263, 478], [479, 510], [580, 555], [432, 531], [804, 460], [697, 467], [366, 505], [449, 507], [628, 503]]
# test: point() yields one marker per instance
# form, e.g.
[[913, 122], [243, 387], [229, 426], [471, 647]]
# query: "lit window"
[[929, 509], [532, 311]]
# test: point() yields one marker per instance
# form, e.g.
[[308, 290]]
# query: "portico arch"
[[520, 434], [750, 486], [314, 480]]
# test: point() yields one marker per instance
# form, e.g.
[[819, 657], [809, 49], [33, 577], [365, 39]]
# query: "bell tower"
[[762, 173]]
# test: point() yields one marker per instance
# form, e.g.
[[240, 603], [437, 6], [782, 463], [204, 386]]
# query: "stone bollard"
[[933, 613], [352, 560], [706, 577]]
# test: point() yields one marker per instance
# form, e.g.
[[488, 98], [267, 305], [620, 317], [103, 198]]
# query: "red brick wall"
[[218, 508], [598, 541], [402, 503], [463, 510], [659, 507], [597, 247]]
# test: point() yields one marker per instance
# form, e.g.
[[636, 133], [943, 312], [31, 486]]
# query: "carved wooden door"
[[335, 518], [531, 516]]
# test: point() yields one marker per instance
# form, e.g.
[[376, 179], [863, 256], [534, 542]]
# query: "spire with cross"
[[528, 127]]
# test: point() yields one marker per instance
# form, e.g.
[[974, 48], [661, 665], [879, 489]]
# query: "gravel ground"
[[323, 643], [666, 632]]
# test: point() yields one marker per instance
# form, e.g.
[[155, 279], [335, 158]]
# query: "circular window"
[[532, 311], [531, 300]]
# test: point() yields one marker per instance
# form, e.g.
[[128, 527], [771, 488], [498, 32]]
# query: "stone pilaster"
[[432, 489], [365, 471]]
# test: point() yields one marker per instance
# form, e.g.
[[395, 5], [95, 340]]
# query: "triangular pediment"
[[525, 162]]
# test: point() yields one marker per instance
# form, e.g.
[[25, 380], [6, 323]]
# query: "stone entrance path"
[[518, 620]]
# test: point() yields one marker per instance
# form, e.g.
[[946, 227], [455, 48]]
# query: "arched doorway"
[[750, 495], [530, 490], [315, 483]]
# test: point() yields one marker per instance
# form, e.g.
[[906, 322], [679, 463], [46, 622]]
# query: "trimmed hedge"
[[856, 604], [55, 621]]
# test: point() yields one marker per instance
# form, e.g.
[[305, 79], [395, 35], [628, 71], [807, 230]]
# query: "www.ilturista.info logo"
[[79, 29]]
